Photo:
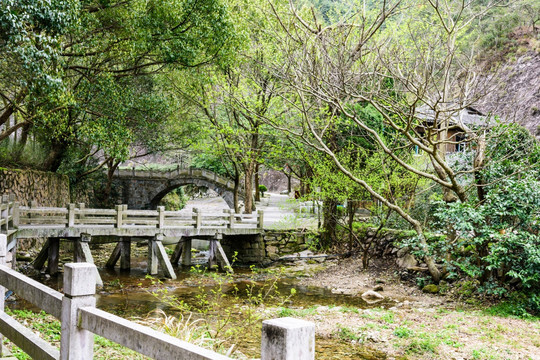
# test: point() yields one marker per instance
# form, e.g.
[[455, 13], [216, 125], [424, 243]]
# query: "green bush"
[[495, 240], [262, 189]]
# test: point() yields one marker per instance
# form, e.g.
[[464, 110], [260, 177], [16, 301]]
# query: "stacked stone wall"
[[46, 189], [266, 247]]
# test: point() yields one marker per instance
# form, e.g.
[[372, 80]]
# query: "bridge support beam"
[[175, 257], [40, 260], [157, 254], [82, 253], [217, 255], [186, 252], [53, 255], [122, 251]]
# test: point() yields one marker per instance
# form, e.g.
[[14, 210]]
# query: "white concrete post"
[[288, 339], [79, 290], [16, 215], [82, 206], [5, 212], [198, 218], [230, 212], [3, 253], [260, 219], [119, 215], [71, 215], [161, 217]]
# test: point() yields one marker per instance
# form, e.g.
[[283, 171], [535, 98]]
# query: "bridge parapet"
[[121, 221]]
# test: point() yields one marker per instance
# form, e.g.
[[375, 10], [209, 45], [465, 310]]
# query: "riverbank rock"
[[371, 296], [406, 261], [431, 289]]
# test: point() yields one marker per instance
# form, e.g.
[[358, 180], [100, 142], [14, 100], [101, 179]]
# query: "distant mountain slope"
[[515, 92], [516, 97]]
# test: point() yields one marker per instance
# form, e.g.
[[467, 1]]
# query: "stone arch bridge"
[[144, 189]]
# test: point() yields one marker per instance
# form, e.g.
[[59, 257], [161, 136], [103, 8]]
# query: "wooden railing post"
[[260, 219], [288, 339], [3, 253], [71, 215], [198, 218], [161, 217], [79, 288], [119, 215]]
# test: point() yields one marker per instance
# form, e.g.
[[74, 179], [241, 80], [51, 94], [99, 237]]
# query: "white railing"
[[121, 217], [282, 339], [8, 214]]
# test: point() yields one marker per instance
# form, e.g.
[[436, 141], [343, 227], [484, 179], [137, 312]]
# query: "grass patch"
[[421, 346], [347, 334], [403, 332], [346, 309], [286, 312], [513, 309], [49, 329]]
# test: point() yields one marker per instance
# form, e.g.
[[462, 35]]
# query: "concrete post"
[[3, 253], [54, 254], [260, 219], [79, 289], [161, 217], [186, 252], [288, 339], [152, 266], [119, 215], [125, 253], [230, 212], [5, 213], [71, 215], [82, 206], [16, 215], [198, 218]]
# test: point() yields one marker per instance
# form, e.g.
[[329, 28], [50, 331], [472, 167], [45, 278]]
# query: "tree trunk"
[[352, 206], [289, 182], [236, 190], [248, 188], [22, 143], [330, 216], [257, 192], [56, 155]]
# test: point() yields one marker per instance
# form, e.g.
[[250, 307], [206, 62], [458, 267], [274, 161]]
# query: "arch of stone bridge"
[[141, 189], [164, 189]]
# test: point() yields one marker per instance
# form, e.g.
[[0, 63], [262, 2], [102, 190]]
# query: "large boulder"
[[371, 297], [407, 261]]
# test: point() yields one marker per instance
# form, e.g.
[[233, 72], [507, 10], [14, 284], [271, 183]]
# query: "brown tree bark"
[[257, 192]]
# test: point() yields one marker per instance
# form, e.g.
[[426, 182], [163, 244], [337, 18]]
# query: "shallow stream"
[[133, 294]]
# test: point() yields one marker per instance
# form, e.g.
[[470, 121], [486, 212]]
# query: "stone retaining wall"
[[264, 248], [46, 189]]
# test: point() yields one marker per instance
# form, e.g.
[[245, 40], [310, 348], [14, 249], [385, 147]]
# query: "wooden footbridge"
[[83, 225]]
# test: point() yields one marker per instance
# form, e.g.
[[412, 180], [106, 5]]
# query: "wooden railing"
[[281, 339], [122, 217]]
